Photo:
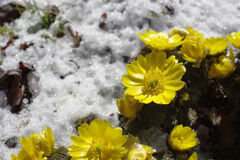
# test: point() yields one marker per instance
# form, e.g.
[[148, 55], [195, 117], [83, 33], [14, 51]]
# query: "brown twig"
[[75, 35]]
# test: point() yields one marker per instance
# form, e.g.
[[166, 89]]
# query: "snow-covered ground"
[[95, 86]]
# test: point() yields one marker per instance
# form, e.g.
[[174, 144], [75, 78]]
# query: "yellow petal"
[[146, 100], [136, 90], [83, 130], [174, 85], [75, 151], [98, 126], [80, 142], [129, 81], [142, 62], [193, 156], [134, 67], [160, 99], [231, 55], [157, 59]]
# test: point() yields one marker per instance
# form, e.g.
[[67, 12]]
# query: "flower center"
[[153, 82], [182, 138], [98, 148]]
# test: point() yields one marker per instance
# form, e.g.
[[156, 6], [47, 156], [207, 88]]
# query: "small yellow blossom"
[[98, 141], [192, 32], [234, 39], [179, 31], [193, 156], [216, 45], [224, 68], [185, 96], [29, 151], [140, 152], [193, 49], [36, 147], [182, 138], [128, 106], [45, 141], [160, 40], [154, 78]]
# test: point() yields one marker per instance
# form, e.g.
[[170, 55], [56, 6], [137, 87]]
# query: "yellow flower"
[[160, 40], [179, 31], [98, 141], [45, 141], [192, 32], [235, 39], [224, 68], [182, 138], [36, 147], [28, 151], [193, 49], [154, 78], [185, 96], [140, 152], [216, 45], [193, 156], [128, 106]]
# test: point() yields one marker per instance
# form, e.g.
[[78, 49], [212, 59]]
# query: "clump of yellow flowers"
[[36, 147], [182, 138], [194, 47], [154, 78]]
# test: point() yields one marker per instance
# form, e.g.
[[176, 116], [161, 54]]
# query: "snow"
[[95, 86]]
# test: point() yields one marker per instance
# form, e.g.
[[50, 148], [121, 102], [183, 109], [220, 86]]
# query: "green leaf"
[[153, 13], [1, 61], [34, 29], [3, 30]]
